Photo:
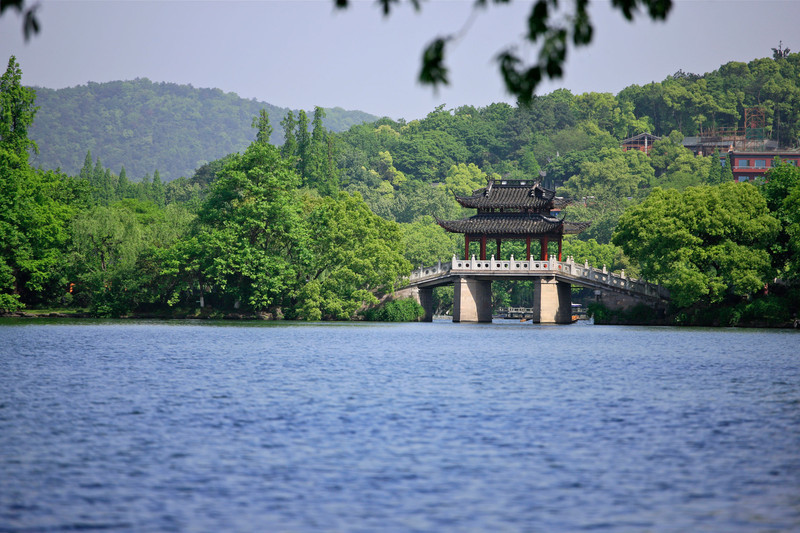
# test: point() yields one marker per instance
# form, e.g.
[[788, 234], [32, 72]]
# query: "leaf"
[[434, 70]]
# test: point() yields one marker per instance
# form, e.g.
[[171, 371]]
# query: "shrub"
[[10, 303], [405, 310]]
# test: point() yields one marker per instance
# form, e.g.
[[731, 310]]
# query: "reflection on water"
[[416, 427]]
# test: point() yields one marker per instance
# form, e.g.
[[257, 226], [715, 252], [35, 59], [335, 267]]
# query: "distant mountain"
[[146, 126]]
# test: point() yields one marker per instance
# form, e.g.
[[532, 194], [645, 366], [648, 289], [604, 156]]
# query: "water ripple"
[[153, 426]]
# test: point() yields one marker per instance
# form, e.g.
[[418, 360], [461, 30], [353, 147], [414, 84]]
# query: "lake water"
[[196, 426]]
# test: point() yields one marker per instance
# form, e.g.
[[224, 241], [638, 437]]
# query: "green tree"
[[303, 145], [157, 195], [563, 167], [715, 170], [354, 255], [182, 191], [32, 230], [598, 255], [321, 172], [88, 167], [425, 242], [530, 166], [17, 111], [462, 179], [32, 214], [123, 185], [251, 235], [106, 242], [727, 170], [404, 310], [263, 127], [96, 181], [208, 172], [791, 226], [144, 189], [702, 244], [616, 175], [781, 184], [106, 237], [427, 155], [417, 198], [683, 171], [289, 148], [386, 171]]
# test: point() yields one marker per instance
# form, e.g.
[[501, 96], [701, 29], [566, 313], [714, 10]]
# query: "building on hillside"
[[707, 144], [642, 142], [513, 210], [750, 137], [751, 166]]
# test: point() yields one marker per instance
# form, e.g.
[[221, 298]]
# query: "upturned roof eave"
[[511, 224]]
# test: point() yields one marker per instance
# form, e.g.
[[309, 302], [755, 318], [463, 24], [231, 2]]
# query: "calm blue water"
[[177, 426]]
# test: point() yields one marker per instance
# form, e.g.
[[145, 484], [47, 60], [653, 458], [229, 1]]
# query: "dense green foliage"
[[146, 126], [32, 219], [250, 236], [703, 243], [405, 310], [323, 226], [782, 193]]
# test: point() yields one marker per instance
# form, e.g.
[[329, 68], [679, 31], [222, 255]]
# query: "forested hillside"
[[146, 126], [324, 224]]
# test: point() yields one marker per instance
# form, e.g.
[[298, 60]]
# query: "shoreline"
[[267, 317]]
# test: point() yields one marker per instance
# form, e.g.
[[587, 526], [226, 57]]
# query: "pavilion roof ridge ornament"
[[509, 194], [537, 190]]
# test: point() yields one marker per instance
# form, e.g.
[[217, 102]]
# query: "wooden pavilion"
[[512, 210]]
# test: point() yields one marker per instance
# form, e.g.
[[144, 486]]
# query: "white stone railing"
[[552, 265], [422, 273], [505, 265]]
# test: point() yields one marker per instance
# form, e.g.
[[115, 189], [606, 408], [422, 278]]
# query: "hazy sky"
[[300, 54]]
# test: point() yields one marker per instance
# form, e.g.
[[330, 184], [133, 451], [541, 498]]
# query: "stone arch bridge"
[[553, 280]]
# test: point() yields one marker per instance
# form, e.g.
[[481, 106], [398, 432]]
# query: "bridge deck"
[[567, 271]]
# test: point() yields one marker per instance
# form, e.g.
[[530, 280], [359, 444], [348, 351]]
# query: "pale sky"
[[301, 54]]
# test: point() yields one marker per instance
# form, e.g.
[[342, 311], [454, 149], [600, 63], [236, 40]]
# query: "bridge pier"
[[421, 295], [472, 300], [552, 301], [425, 298]]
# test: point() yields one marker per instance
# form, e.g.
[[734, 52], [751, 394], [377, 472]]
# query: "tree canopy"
[[147, 126], [703, 243]]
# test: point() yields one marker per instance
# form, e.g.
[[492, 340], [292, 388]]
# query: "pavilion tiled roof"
[[512, 224], [501, 195]]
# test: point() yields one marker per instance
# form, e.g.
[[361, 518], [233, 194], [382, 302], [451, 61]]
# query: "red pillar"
[[483, 247], [559, 247], [544, 248], [498, 250], [466, 247], [527, 248]]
